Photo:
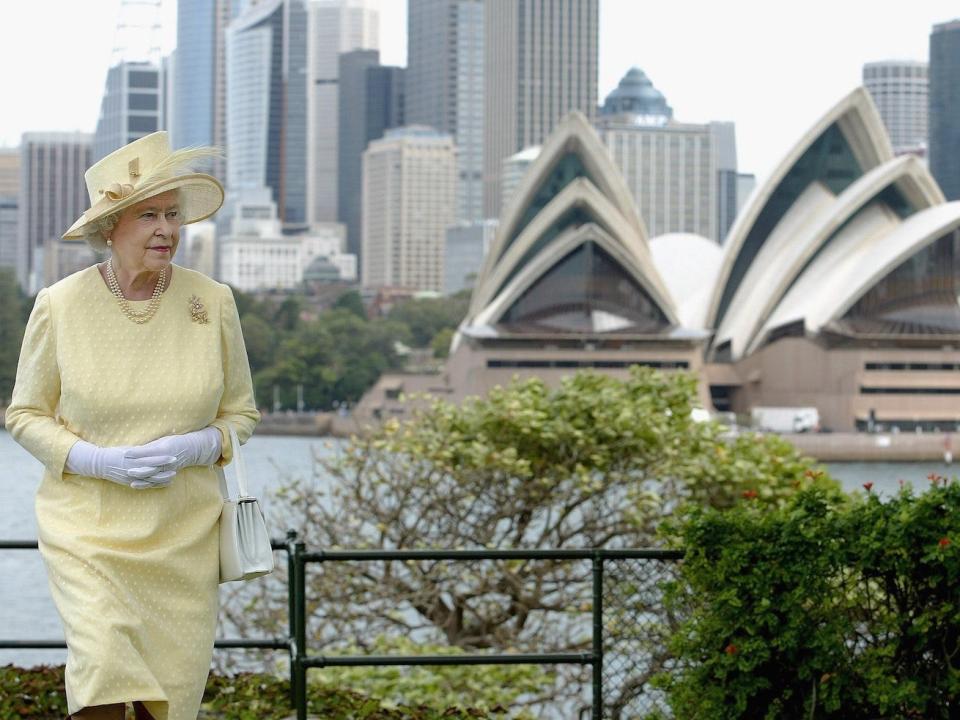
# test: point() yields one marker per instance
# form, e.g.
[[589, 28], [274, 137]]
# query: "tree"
[[335, 358], [12, 325], [260, 339], [428, 316], [832, 607], [441, 343], [597, 462], [351, 301]]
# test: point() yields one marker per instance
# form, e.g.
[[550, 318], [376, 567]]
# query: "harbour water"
[[26, 610]]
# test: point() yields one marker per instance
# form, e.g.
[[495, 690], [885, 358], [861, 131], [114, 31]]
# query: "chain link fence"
[[636, 628]]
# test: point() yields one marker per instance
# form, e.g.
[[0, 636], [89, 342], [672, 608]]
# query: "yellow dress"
[[133, 573]]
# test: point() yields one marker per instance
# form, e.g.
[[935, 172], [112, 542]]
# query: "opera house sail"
[[837, 286]]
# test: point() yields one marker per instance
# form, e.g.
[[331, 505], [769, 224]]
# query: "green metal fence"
[[625, 594]]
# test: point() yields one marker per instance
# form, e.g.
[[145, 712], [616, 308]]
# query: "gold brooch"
[[198, 313]]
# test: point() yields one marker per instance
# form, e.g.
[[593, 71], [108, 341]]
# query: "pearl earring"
[[109, 243]]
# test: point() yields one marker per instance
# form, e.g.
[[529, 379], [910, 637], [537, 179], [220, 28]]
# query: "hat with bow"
[[142, 169]]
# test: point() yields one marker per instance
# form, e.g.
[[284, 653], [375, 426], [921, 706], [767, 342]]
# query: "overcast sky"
[[772, 67]]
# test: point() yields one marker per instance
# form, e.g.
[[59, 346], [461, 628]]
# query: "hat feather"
[[179, 162]]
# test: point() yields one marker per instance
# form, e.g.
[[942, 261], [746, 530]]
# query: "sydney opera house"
[[838, 285]]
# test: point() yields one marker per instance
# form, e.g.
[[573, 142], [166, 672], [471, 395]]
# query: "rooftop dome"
[[636, 95], [321, 270]]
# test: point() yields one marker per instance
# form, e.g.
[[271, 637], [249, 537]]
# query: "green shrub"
[[37, 693], [822, 609]]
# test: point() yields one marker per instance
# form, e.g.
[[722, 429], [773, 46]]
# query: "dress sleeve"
[[237, 406], [31, 418]]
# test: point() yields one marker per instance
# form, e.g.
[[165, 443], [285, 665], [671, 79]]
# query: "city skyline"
[[770, 69]]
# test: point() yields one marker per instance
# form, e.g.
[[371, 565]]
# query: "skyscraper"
[[200, 78], [371, 101], [131, 108], [944, 147], [53, 194], [899, 89], [409, 200], [445, 86], [336, 26], [540, 63], [267, 104], [9, 197]]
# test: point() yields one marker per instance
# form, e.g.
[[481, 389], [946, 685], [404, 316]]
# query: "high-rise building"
[[267, 104], [467, 244], [9, 171], [258, 255], [899, 89], [540, 63], [199, 114], [52, 195], [168, 68], [944, 145], [9, 198], [336, 26], [445, 85], [725, 142], [409, 200], [683, 176], [132, 106], [371, 101]]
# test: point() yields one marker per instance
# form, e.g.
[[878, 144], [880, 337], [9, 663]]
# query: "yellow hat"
[[142, 169]]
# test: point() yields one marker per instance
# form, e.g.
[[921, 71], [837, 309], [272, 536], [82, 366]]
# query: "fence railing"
[[296, 644]]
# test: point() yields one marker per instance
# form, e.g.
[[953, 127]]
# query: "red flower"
[[934, 478], [868, 486], [901, 482], [750, 494], [730, 649], [944, 542]]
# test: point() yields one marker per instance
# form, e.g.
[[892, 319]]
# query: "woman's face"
[[146, 236]]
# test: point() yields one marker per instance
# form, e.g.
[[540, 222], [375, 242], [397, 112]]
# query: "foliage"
[[596, 462], [335, 358], [441, 343], [338, 354], [426, 317], [12, 324], [353, 302], [489, 687], [820, 609], [37, 694]]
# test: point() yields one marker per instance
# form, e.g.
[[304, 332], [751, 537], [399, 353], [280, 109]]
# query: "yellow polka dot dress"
[[133, 573]]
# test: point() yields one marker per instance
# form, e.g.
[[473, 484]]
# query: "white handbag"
[[245, 551]]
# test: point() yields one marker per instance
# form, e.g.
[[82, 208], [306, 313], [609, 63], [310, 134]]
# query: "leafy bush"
[[595, 462], [826, 608], [37, 694]]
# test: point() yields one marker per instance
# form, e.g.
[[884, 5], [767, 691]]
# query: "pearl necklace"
[[138, 316]]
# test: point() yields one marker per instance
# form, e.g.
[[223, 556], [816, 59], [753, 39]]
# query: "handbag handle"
[[239, 462]]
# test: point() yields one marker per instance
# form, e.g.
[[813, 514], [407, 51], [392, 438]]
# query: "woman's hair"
[[106, 224]]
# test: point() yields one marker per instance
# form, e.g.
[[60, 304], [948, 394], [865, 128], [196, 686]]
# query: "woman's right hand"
[[113, 464]]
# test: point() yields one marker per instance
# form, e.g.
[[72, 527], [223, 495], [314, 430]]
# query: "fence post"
[[300, 630], [597, 635], [291, 612]]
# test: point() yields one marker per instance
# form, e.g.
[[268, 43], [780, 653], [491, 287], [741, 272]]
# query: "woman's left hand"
[[196, 448]]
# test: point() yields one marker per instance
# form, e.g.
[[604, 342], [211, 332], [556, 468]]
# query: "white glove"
[[201, 447], [116, 464]]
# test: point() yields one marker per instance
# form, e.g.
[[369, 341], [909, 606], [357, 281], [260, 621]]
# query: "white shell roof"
[[858, 119], [688, 264], [810, 222], [826, 251], [866, 252]]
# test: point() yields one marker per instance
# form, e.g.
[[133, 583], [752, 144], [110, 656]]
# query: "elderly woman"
[[131, 374]]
